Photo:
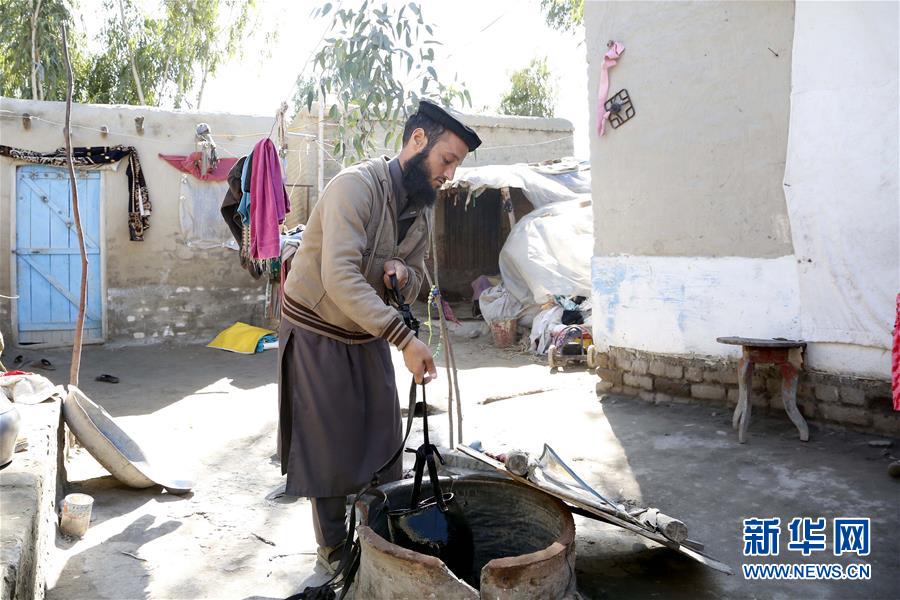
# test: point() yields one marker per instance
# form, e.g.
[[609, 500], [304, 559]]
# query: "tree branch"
[[73, 184], [134, 71]]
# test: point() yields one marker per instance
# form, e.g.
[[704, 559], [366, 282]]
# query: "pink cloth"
[[609, 61], [190, 164], [895, 360], [269, 203]]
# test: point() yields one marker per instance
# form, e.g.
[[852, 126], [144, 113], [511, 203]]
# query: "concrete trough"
[[524, 545]]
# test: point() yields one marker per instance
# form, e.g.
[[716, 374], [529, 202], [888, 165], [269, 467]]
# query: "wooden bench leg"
[[789, 379], [741, 419]]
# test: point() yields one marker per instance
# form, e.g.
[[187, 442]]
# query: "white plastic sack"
[[543, 328], [548, 253], [200, 210], [497, 304], [539, 189]]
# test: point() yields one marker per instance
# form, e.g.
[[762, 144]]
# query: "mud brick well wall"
[[860, 404]]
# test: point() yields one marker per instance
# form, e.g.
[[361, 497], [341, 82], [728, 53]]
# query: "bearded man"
[[339, 412]]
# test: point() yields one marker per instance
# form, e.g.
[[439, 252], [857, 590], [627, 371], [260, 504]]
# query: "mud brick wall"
[[860, 404]]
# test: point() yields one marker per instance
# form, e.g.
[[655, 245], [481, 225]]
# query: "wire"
[[259, 134], [146, 138]]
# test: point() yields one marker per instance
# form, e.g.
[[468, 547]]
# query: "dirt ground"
[[230, 538]]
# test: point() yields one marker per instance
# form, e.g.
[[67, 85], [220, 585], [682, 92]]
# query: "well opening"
[[523, 537]]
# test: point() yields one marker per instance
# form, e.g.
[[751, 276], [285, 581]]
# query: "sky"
[[484, 41]]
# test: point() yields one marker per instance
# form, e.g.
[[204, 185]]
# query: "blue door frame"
[[47, 256]]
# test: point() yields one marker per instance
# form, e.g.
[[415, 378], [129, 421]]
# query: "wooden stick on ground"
[[73, 184]]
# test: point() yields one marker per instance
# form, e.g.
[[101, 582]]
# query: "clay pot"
[[9, 430]]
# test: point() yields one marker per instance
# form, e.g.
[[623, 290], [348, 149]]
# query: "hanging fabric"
[[139, 206], [609, 61], [192, 165], [269, 202]]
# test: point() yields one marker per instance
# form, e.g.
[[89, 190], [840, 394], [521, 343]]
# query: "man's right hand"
[[419, 361]]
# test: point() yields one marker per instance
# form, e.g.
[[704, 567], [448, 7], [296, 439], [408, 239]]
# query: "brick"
[[640, 366], [601, 387], [603, 359], [693, 374], [853, 396], [657, 367], [627, 390], [759, 383], [878, 404], [611, 375], [708, 391], [827, 393], [647, 396], [848, 415], [807, 407], [639, 381], [662, 398], [623, 363], [721, 373], [733, 395], [886, 423], [673, 387], [674, 371], [618, 353], [683, 400], [759, 401], [806, 390]]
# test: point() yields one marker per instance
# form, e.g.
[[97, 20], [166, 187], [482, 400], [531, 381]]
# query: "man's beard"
[[417, 180]]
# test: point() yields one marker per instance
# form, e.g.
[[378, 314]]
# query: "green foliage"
[[305, 90], [15, 49], [532, 93], [565, 15], [375, 65], [173, 53]]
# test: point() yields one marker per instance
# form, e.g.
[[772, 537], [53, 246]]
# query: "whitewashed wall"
[[835, 285], [679, 305], [841, 179]]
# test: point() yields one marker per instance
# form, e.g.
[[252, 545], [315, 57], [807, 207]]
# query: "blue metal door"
[[48, 261]]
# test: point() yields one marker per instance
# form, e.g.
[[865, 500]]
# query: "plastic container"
[[76, 514], [504, 332]]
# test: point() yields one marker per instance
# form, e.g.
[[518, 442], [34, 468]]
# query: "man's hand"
[[419, 361], [395, 267]]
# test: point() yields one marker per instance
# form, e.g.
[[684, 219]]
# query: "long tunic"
[[339, 413]]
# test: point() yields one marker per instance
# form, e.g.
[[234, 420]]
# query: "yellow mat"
[[240, 338]]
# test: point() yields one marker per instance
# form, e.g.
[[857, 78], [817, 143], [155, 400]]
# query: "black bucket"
[[428, 530]]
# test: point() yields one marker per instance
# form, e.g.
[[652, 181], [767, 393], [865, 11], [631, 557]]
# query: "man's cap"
[[441, 116]]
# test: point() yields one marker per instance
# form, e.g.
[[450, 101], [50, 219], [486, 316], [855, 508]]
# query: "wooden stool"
[[786, 354]]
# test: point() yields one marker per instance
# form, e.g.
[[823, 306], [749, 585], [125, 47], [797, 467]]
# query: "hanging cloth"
[[138, 197], [243, 208], [270, 202], [191, 164], [609, 61]]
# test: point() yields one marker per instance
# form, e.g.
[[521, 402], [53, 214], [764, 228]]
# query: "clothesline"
[[261, 134], [255, 134]]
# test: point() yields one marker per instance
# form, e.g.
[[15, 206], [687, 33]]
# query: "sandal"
[[106, 378], [42, 364]]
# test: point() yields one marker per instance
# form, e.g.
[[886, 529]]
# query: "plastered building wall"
[[694, 236], [161, 289]]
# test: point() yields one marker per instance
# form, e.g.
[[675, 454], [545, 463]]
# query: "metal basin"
[[523, 545]]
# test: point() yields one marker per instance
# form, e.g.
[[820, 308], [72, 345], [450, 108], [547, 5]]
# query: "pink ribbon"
[[609, 60]]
